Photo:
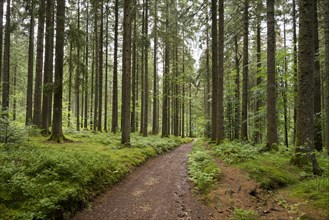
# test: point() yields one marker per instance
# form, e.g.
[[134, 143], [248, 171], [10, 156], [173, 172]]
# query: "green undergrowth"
[[242, 214], [203, 171], [40, 180], [273, 170]]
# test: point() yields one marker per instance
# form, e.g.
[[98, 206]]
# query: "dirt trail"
[[159, 189]]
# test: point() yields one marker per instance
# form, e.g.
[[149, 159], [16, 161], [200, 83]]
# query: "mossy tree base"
[[304, 159], [59, 139]]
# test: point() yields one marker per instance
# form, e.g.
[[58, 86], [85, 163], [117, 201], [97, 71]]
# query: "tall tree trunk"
[[220, 96], [39, 65], [284, 83], [77, 77], [106, 67], [317, 84], [69, 106], [6, 65], [1, 38], [57, 132], [214, 114], [155, 128], [146, 80], [96, 77], [29, 92], [48, 68], [92, 82], [208, 89], [183, 99], [258, 133], [15, 93], [142, 69], [85, 124], [295, 67], [272, 135], [134, 72], [244, 118], [165, 99], [237, 89], [115, 71], [126, 74], [326, 90], [305, 98], [100, 71]]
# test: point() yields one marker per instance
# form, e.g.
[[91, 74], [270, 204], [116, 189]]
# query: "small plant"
[[242, 214], [11, 133]]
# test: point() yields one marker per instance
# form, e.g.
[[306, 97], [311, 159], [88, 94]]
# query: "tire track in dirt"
[[159, 189]]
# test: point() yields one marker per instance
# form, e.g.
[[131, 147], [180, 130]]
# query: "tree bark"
[[305, 99], [215, 80], [146, 80], [39, 65], [115, 71], [77, 77], [220, 121], [100, 71], [155, 128], [1, 38], [57, 132], [237, 90], [326, 90], [6, 65], [244, 118], [272, 136], [29, 92], [295, 67], [134, 84], [126, 74], [106, 67], [85, 124]]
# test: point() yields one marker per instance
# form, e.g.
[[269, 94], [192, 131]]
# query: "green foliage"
[[203, 170], [41, 180], [235, 152], [316, 190], [11, 133], [241, 214]]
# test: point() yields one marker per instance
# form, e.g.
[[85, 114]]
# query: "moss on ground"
[[40, 179]]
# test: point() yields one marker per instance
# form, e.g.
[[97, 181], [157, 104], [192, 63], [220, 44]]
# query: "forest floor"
[[161, 189]]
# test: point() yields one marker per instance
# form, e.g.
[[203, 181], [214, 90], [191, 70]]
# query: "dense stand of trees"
[[80, 60]]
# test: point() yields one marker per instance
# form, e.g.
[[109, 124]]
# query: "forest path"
[[157, 190]]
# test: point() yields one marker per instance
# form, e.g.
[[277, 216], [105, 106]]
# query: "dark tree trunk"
[[106, 68], [6, 65], [48, 68], [29, 92], [69, 106], [39, 65], [284, 84], [85, 124], [100, 71], [305, 99], [14, 94], [77, 78], [126, 68], [317, 85], [134, 72], [165, 100], [326, 90], [92, 82], [208, 89], [244, 118], [155, 128], [237, 90], [272, 135], [96, 77], [214, 114], [258, 133], [115, 71], [295, 67], [57, 132], [220, 96], [1, 39], [146, 80]]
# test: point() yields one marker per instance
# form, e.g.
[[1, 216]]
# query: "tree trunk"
[[284, 84], [215, 80], [134, 72], [115, 71], [244, 118], [39, 65], [57, 132], [69, 106], [146, 80], [100, 71], [272, 135], [106, 67], [237, 89], [29, 92], [96, 77], [6, 65], [85, 124], [77, 77], [165, 99], [1, 39], [295, 67], [48, 68], [126, 68], [220, 84], [305, 99], [155, 128], [326, 90], [317, 84], [15, 94]]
